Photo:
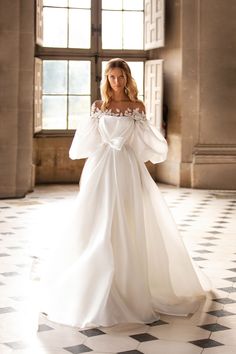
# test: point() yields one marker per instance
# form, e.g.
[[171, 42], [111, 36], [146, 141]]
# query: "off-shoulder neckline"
[[134, 113]]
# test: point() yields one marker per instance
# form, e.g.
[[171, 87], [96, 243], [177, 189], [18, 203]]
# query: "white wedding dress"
[[120, 258]]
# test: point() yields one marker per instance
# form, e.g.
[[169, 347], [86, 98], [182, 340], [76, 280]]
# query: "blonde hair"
[[131, 89]]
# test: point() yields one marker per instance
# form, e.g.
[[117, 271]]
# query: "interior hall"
[[52, 59]]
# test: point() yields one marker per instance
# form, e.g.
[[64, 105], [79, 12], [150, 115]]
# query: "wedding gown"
[[120, 258]]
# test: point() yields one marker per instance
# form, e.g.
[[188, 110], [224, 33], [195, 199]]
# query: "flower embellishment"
[[135, 113]]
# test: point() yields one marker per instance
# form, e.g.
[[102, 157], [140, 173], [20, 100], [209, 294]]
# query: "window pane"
[[54, 112], [133, 34], [79, 77], [137, 73], [54, 27], [82, 4], [64, 103], [112, 34], [112, 5], [79, 28], [55, 3], [133, 5], [79, 108], [55, 76]]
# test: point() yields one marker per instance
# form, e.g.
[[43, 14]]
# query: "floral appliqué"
[[131, 113]]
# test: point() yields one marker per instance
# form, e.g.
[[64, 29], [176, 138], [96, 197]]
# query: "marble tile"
[[207, 223], [76, 349], [5, 350], [126, 329], [61, 338], [143, 337], [179, 332], [207, 343], [112, 343], [226, 349], [169, 347], [226, 337]]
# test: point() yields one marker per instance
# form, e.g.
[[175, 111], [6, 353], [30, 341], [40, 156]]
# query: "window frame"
[[96, 54]]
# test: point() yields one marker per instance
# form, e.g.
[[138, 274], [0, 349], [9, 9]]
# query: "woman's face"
[[116, 79]]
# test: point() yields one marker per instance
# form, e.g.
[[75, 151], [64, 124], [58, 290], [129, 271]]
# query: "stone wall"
[[52, 162], [214, 152], [169, 172], [16, 96], [51, 159], [200, 91]]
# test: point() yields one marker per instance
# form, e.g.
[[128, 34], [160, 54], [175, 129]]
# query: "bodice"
[[116, 128]]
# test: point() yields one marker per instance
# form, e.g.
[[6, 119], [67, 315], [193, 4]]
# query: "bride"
[[120, 258]]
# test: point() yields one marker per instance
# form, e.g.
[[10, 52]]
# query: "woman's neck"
[[119, 97]]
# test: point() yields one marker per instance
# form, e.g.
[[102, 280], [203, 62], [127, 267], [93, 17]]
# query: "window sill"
[[53, 133]]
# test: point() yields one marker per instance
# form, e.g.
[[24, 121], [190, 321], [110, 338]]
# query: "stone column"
[[200, 90], [171, 53], [208, 94], [16, 96]]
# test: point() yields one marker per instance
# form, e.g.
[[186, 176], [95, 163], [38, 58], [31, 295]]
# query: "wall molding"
[[214, 166], [214, 154]]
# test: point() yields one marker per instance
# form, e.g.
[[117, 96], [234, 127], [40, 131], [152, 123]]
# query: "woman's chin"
[[118, 89]]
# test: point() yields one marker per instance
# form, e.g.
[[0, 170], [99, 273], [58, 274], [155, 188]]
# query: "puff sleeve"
[[148, 142], [87, 138]]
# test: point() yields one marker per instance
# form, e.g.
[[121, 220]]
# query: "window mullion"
[[99, 25], [95, 47], [95, 25], [39, 22], [67, 94], [38, 73]]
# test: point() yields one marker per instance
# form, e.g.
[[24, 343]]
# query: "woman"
[[122, 259]]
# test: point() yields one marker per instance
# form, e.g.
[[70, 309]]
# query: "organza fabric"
[[120, 257]]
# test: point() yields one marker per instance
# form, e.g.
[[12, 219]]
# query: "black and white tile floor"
[[207, 221]]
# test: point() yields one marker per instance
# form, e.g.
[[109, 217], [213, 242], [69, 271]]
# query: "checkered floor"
[[207, 221]]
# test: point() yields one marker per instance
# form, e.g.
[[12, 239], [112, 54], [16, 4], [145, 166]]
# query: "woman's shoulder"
[[97, 105], [139, 106]]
